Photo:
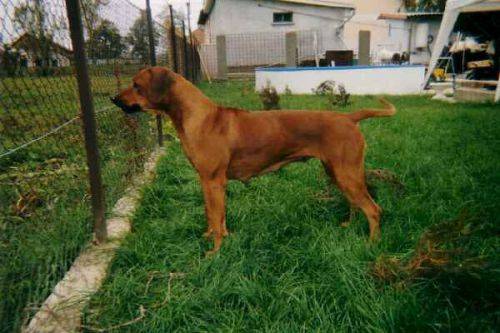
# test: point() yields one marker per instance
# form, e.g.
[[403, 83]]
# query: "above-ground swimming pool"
[[358, 80]]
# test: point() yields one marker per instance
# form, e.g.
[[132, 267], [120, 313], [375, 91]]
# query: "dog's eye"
[[135, 85]]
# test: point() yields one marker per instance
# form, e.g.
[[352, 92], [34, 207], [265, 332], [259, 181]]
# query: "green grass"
[[288, 266], [44, 198]]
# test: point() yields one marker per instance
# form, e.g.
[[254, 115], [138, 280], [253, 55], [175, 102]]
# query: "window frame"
[[283, 15]]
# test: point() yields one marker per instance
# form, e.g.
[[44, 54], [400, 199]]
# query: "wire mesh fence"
[[246, 51], [45, 215]]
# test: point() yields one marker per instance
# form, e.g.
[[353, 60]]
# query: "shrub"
[[336, 94], [269, 97]]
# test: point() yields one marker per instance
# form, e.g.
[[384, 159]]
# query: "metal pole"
[[88, 119], [185, 51], [152, 60], [497, 91], [410, 31], [173, 40], [193, 47], [221, 57]]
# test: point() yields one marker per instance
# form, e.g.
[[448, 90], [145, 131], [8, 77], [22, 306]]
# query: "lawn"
[[288, 266], [45, 215]]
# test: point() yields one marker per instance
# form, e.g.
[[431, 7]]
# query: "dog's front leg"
[[214, 192]]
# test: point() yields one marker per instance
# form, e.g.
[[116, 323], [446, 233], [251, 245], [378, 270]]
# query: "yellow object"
[[439, 74]]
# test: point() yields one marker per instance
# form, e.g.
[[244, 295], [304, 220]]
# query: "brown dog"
[[226, 143]]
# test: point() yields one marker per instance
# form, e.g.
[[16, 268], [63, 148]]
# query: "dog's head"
[[149, 91]]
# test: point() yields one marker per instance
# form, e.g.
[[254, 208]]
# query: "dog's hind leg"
[[354, 188], [214, 192], [348, 171], [352, 209], [224, 228]]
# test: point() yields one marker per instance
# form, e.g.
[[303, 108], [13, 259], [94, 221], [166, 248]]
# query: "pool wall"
[[358, 80]]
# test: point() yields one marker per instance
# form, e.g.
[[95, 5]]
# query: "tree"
[[432, 5], [90, 15], [164, 15], [138, 38], [30, 17], [10, 60], [425, 5], [106, 42]]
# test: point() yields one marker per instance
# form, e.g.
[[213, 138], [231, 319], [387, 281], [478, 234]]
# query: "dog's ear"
[[159, 84]]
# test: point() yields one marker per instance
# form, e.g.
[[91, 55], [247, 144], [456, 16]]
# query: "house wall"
[[423, 55], [367, 12], [249, 16], [400, 39], [401, 36], [397, 36], [391, 35], [62, 61]]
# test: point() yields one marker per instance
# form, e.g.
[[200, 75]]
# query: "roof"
[[322, 3], [28, 39], [407, 16], [208, 5]]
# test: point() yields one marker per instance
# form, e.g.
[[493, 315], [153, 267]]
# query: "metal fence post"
[[497, 91], [364, 47], [88, 119], [152, 60], [291, 49], [191, 44], [173, 40], [221, 57], [185, 51]]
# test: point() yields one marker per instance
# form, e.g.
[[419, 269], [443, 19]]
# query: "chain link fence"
[[45, 203], [245, 52]]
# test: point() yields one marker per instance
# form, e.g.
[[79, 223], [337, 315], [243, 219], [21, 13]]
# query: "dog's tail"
[[388, 111]]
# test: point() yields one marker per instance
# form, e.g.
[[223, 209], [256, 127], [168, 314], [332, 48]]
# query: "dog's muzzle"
[[134, 108]]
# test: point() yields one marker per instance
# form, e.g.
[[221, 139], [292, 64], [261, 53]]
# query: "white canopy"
[[451, 12]]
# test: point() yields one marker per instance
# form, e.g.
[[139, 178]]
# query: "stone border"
[[61, 312]]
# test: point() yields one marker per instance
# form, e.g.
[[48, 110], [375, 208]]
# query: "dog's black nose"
[[114, 100]]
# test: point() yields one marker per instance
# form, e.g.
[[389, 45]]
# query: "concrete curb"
[[61, 311]]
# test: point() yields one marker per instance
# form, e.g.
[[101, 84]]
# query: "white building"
[[225, 17], [255, 30], [366, 18], [414, 33]]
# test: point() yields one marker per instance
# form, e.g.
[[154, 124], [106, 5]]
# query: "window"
[[283, 18]]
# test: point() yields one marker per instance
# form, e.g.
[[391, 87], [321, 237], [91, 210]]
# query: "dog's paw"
[[208, 234], [345, 224], [210, 253], [375, 237]]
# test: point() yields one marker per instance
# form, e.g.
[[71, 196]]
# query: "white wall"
[[423, 56], [360, 80], [398, 39], [398, 34], [366, 18], [249, 16]]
